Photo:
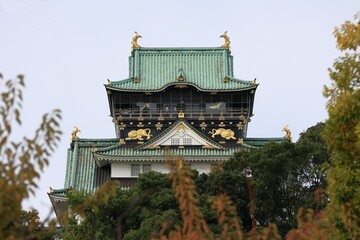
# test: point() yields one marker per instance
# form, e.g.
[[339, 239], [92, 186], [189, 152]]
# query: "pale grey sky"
[[67, 50]]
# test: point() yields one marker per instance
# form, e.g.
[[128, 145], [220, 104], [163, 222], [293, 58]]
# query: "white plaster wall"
[[201, 167], [123, 169], [120, 169], [159, 167]]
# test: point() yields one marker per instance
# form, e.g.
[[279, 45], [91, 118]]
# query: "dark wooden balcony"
[[136, 115]]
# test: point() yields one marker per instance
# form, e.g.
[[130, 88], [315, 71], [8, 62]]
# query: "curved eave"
[[111, 147], [60, 206], [115, 88], [103, 160], [129, 154]]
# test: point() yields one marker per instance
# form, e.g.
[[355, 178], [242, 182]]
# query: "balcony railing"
[[188, 114], [125, 183]]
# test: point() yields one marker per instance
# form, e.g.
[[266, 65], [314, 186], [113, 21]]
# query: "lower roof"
[[86, 157]]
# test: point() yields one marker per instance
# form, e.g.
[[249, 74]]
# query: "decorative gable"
[[181, 134]]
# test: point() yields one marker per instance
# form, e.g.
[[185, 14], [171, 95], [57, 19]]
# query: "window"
[[175, 141], [135, 170], [187, 141], [146, 168]]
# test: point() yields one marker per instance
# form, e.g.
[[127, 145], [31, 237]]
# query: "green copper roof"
[[80, 167], [259, 142], [154, 69]]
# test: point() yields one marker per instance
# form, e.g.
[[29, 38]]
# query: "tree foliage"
[[123, 214], [342, 131], [284, 178], [21, 162]]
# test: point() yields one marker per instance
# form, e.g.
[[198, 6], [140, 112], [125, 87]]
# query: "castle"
[[176, 102]]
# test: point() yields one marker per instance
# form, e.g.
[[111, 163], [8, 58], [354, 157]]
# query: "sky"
[[68, 49]]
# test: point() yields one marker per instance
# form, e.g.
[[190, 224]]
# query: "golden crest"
[[287, 131], [134, 43], [73, 134], [227, 40]]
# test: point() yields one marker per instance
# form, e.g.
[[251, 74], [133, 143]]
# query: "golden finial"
[[227, 41], [240, 141], [109, 82], [181, 115], [287, 131], [73, 134], [181, 76], [51, 190], [254, 81], [134, 43]]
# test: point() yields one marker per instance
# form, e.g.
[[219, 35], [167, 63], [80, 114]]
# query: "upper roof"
[[154, 69]]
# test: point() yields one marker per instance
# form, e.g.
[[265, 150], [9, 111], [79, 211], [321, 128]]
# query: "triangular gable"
[[181, 133]]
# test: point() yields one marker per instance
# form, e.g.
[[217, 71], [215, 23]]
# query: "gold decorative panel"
[[224, 133]]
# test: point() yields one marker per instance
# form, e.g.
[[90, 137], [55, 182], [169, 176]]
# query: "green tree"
[[112, 213], [284, 178], [342, 131], [21, 162], [313, 154]]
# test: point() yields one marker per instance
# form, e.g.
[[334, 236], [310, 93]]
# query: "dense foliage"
[[21, 162], [342, 132], [283, 179], [136, 213]]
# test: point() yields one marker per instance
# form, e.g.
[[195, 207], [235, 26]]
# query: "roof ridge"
[[111, 147]]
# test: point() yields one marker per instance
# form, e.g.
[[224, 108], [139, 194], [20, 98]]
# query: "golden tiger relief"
[[139, 134], [225, 133]]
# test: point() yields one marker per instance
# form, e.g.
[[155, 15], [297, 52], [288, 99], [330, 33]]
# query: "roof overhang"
[[60, 206], [177, 84]]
